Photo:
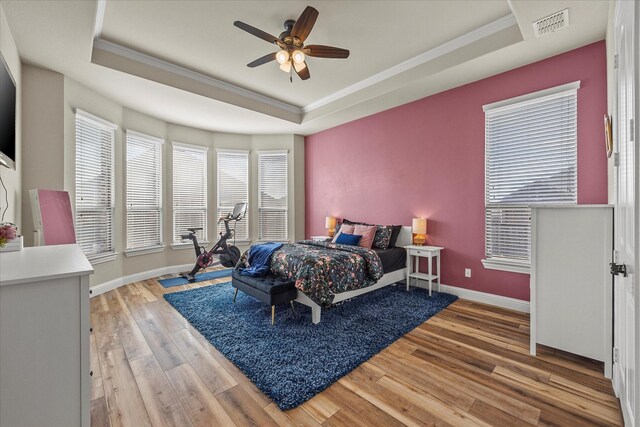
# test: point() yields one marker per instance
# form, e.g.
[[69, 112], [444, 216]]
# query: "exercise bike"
[[228, 254]]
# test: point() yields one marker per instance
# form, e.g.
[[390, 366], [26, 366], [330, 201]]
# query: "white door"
[[626, 209]]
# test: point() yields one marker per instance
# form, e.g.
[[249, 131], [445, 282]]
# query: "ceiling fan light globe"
[[286, 66], [298, 56], [282, 56]]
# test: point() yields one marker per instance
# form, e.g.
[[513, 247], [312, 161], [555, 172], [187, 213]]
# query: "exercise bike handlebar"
[[239, 212]]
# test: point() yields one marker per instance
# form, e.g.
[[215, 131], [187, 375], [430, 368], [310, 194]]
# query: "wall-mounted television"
[[7, 117]]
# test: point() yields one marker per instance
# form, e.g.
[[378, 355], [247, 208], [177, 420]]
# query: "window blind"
[[143, 191], [94, 208], [272, 195], [233, 187], [189, 190], [530, 159]]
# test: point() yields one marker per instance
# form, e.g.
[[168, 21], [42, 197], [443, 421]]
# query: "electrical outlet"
[[467, 272]]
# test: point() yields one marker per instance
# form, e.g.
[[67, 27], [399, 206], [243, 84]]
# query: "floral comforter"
[[323, 269]]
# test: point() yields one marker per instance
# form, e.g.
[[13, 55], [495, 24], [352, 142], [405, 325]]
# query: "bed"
[[384, 267]]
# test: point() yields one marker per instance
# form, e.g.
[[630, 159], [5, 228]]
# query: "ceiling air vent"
[[551, 23]]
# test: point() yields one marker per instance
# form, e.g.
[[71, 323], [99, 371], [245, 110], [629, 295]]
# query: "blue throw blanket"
[[259, 259]]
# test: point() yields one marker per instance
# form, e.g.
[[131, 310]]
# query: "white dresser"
[[44, 337], [571, 286]]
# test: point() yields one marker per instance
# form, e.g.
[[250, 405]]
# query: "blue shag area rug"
[[294, 359], [202, 277]]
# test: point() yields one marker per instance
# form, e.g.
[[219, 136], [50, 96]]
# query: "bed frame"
[[404, 239]]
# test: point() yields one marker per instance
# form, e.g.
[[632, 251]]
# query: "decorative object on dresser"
[[571, 282], [414, 253], [44, 337], [9, 239], [419, 229], [330, 225]]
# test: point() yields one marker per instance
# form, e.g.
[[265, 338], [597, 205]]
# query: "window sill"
[[143, 251], [505, 265], [244, 242], [103, 258], [189, 245]]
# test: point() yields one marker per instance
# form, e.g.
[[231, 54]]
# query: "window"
[[94, 186], [143, 192], [189, 190], [233, 187], [272, 195], [530, 159]]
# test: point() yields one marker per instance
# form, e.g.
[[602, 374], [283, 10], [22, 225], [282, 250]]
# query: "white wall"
[[57, 170], [12, 179], [42, 137]]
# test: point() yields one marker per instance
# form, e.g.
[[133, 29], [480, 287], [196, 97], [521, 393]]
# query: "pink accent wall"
[[426, 158]]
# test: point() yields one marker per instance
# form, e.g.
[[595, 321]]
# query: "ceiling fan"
[[291, 43]]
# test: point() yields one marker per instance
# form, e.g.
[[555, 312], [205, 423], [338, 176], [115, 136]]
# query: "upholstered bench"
[[269, 289]]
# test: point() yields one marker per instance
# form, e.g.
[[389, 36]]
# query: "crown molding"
[[152, 61], [443, 49], [438, 51], [97, 26]]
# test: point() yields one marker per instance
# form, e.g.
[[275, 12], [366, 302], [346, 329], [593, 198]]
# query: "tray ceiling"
[[185, 62]]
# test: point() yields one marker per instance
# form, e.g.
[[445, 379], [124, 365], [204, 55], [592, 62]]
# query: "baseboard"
[[468, 294], [145, 275], [486, 298]]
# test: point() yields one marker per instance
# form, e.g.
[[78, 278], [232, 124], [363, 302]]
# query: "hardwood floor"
[[468, 365]]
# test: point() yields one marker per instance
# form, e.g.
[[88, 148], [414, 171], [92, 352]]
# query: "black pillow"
[[379, 241], [346, 221], [395, 232]]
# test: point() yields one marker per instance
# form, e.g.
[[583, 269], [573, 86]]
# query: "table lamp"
[[330, 224], [419, 230]]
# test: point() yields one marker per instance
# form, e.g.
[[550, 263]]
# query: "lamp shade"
[[419, 226], [330, 222]]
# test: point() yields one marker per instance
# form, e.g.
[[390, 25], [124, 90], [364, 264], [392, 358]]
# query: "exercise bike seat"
[[194, 229]]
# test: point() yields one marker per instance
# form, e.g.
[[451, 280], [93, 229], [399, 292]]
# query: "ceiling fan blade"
[[256, 32], [304, 24], [302, 70], [262, 60], [320, 51]]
